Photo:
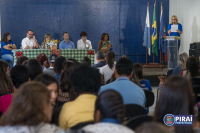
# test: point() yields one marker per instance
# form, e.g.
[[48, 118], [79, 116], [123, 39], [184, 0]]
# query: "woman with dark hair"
[[34, 68], [109, 114], [58, 67], [176, 98], [83, 43], [86, 82], [138, 70], [52, 85], [41, 58], [7, 45], [104, 44], [86, 60], [44, 44], [192, 66], [108, 69], [30, 111], [5, 82], [66, 91], [20, 60]]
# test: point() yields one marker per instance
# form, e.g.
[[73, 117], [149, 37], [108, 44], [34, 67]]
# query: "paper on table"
[[174, 28]]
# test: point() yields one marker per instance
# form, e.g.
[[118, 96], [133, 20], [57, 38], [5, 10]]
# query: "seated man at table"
[[100, 57], [130, 92], [66, 43], [30, 42]]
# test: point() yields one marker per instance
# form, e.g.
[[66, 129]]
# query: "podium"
[[172, 51]]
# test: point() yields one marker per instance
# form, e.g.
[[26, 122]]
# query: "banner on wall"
[[147, 35], [154, 33]]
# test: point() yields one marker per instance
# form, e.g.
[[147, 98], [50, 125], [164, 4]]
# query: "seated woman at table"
[[7, 45], [83, 43], [104, 44], [44, 45]]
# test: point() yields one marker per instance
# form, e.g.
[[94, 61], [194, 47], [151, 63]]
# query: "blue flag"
[[147, 35], [162, 32]]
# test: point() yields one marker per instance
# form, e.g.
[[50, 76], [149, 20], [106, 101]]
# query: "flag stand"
[[146, 55]]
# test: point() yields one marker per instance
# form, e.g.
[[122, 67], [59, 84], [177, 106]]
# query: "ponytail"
[[109, 59]]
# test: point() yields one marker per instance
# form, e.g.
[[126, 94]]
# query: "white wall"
[[188, 13]]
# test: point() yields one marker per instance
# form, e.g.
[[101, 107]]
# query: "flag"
[[154, 33], [147, 35], [162, 31]]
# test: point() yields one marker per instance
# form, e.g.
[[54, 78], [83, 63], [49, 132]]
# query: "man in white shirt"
[[30, 42], [83, 43]]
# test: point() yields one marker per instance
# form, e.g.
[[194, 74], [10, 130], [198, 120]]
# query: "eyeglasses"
[[31, 34], [173, 19]]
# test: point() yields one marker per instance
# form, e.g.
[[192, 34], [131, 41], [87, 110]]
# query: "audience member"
[[20, 60], [41, 58], [104, 45], [152, 127], [34, 68], [109, 114], [66, 43], [87, 60], [19, 74], [130, 92], [176, 98], [7, 45], [50, 70], [31, 111], [86, 81], [144, 83], [192, 66], [181, 68], [100, 57], [5, 82], [44, 44], [52, 85], [58, 67], [66, 91], [108, 69], [30, 42], [25, 63], [83, 43]]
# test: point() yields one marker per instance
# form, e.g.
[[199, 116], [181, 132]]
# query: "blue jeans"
[[9, 58]]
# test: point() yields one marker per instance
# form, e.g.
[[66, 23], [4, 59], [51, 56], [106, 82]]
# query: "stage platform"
[[152, 75]]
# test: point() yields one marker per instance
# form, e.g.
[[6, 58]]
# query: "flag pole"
[[160, 18], [146, 47], [154, 54]]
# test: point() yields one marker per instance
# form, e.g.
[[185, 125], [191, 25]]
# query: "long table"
[[77, 54]]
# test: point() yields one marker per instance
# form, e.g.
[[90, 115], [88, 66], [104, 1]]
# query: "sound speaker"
[[195, 45], [195, 52]]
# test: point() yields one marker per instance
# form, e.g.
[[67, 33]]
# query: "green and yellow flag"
[[154, 33]]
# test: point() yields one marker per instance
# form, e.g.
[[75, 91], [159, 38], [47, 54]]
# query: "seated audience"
[[66, 92], [66, 43], [86, 60], [192, 66], [30, 42], [176, 98], [20, 60], [58, 67], [83, 43], [6, 86], [104, 45], [42, 58], [109, 114], [44, 45], [144, 83], [34, 68], [152, 127], [108, 69], [52, 85], [50, 70], [7, 45], [181, 68], [130, 92], [100, 57], [31, 111], [86, 81], [19, 74]]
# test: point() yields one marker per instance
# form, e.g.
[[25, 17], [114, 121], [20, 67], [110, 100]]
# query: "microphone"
[[174, 22]]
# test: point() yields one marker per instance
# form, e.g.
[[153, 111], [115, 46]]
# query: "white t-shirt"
[[27, 42], [107, 72], [81, 44]]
